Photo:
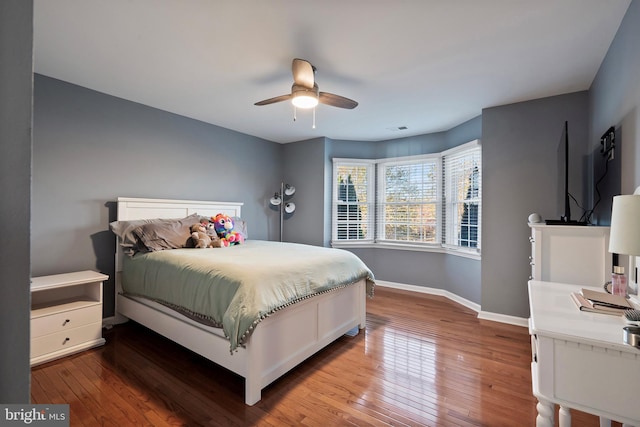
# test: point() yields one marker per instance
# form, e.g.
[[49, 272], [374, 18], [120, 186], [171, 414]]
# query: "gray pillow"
[[159, 236], [125, 231], [240, 226]]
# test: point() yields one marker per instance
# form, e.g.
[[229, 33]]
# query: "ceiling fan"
[[305, 92]]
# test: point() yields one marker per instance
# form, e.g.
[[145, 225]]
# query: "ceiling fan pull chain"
[[294, 113], [314, 118]]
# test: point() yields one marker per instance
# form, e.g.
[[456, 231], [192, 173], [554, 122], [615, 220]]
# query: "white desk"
[[579, 359]]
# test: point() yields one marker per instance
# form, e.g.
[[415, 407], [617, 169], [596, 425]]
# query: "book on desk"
[[601, 302]]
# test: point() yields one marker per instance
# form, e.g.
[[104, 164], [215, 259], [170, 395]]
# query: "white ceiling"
[[428, 65]]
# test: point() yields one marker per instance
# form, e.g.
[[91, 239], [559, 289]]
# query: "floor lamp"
[[280, 200]]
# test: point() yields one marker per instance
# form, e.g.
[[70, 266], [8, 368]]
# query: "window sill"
[[464, 253]]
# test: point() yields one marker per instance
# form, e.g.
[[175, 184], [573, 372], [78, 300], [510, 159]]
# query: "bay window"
[[427, 202]]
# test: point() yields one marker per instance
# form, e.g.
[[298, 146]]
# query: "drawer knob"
[[65, 322], [66, 340]]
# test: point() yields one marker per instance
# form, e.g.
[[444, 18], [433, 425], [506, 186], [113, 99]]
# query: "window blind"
[[463, 195], [408, 198], [431, 200], [353, 194]]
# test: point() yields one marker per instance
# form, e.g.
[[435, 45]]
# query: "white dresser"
[[66, 314], [570, 254], [579, 359]]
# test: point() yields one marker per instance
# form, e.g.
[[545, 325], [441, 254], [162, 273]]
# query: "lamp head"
[[304, 97], [290, 207], [276, 199]]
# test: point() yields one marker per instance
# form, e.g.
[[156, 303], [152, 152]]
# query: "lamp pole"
[[281, 206], [278, 199]]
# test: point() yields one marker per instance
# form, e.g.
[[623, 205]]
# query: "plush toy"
[[211, 232], [201, 239], [223, 225]]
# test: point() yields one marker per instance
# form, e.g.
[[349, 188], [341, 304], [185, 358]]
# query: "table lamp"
[[624, 237]]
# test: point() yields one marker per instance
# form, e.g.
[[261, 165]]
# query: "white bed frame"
[[279, 343]]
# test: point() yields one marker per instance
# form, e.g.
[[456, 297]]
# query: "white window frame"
[[374, 226], [451, 200], [382, 164], [370, 197]]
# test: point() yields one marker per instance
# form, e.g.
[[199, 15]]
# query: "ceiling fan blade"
[[302, 73], [274, 100], [337, 100]]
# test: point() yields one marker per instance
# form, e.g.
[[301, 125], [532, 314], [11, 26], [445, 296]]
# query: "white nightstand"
[[66, 314]]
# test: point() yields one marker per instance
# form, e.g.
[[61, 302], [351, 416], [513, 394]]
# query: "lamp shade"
[[290, 207], [304, 97], [276, 199], [289, 190], [304, 101], [625, 225]]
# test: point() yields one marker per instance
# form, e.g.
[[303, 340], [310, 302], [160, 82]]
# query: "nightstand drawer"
[[61, 322], [65, 339]]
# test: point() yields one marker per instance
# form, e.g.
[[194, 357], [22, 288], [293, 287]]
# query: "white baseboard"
[[484, 315], [504, 318]]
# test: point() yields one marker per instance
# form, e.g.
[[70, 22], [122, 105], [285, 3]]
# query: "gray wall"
[[304, 169], [89, 148], [16, 48], [519, 152], [514, 155], [614, 98], [455, 274], [520, 143]]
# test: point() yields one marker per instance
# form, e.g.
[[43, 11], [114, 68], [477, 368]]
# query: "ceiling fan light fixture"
[[305, 93], [304, 99]]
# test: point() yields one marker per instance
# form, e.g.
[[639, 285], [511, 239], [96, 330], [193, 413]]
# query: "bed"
[[271, 344]]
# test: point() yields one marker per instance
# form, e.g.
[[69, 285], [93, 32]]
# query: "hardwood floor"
[[422, 361]]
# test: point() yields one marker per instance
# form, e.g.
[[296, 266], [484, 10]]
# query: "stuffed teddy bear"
[[201, 239], [223, 225], [211, 232]]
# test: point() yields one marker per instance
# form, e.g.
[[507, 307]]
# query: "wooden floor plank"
[[421, 361]]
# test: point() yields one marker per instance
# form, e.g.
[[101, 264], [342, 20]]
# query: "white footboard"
[[284, 340]]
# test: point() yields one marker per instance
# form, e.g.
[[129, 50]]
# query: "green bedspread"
[[237, 287]]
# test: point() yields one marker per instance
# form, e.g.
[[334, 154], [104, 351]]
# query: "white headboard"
[[130, 208]]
